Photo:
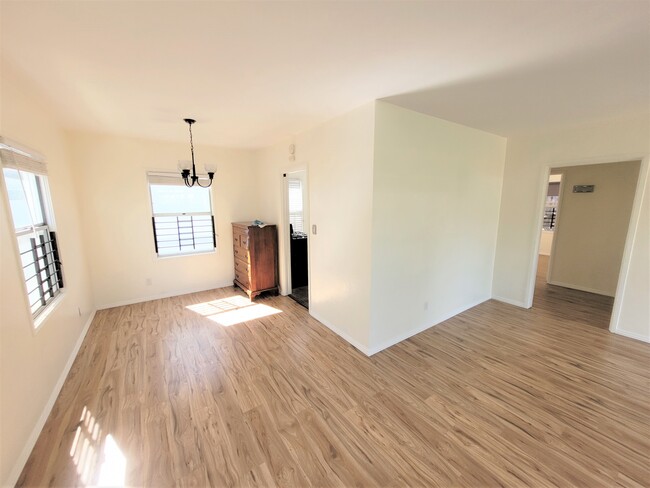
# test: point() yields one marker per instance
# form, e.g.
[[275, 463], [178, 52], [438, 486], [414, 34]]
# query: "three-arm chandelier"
[[189, 176]]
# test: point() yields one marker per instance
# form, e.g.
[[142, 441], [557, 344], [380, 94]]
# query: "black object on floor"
[[301, 295]]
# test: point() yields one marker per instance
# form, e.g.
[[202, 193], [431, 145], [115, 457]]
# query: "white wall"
[[338, 157], [31, 363], [546, 242], [632, 294], [117, 215], [527, 160], [272, 162], [592, 227], [436, 195]]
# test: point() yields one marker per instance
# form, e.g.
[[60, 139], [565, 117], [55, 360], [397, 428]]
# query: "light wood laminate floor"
[[587, 308], [176, 392]]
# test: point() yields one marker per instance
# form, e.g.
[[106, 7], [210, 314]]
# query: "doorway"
[[587, 212], [295, 184]]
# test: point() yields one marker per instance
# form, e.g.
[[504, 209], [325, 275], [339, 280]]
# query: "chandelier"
[[189, 176]]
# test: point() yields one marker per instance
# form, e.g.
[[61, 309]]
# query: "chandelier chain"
[[191, 144]]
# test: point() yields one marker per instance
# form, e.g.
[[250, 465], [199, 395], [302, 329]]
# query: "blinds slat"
[[173, 179], [16, 156], [295, 205], [157, 178]]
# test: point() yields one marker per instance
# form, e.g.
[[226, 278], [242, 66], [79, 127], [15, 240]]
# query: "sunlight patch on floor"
[[113, 469], [232, 310], [85, 453]]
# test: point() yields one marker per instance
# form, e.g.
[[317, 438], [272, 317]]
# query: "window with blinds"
[[25, 177], [182, 217], [296, 213]]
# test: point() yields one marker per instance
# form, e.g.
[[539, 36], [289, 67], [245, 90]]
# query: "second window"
[[182, 217]]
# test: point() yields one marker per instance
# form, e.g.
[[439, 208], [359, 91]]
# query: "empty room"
[[333, 244]]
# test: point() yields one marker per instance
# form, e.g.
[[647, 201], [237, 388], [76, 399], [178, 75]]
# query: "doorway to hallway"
[[585, 226], [298, 248]]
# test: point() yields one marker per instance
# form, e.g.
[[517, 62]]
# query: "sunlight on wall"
[[85, 454], [232, 310]]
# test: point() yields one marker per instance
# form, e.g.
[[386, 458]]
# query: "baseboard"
[[168, 294], [581, 288], [340, 333], [36, 431], [509, 301], [632, 335], [405, 335]]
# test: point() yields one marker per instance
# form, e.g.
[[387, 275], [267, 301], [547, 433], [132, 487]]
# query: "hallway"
[[587, 308]]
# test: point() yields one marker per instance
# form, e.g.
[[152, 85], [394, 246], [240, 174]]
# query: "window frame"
[[175, 180], [54, 263]]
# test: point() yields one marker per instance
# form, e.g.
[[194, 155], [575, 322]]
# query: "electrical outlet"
[[426, 305]]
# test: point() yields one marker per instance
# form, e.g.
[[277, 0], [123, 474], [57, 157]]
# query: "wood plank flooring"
[[175, 392], [588, 308]]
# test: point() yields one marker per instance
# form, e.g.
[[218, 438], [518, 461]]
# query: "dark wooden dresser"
[[256, 257]]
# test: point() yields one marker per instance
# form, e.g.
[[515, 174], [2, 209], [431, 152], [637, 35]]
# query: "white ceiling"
[[255, 73]]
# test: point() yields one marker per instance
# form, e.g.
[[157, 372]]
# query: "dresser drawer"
[[240, 237], [242, 278], [242, 266], [240, 252]]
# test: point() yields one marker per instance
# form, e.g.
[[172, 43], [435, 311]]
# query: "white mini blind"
[[159, 178], [296, 205], [16, 156]]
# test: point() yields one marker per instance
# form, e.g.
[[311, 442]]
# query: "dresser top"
[[249, 224]]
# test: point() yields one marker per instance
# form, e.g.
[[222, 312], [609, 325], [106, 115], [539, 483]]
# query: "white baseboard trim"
[[36, 431], [509, 301], [580, 288], [405, 335], [341, 334], [632, 335], [131, 301]]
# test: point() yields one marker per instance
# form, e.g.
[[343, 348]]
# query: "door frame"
[[631, 231], [286, 287], [557, 219], [558, 213]]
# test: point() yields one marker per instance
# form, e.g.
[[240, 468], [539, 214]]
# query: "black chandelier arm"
[[204, 186]]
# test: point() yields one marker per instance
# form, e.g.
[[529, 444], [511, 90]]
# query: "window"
[[182, 217], [26, 182], [295, 205], [550, 206]]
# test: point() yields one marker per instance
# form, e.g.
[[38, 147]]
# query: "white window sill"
[[186, 254], [42, 317]]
